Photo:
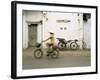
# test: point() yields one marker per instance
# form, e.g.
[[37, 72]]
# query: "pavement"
[[67, 58]]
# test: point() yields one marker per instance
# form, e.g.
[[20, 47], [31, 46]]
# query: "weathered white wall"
[[33, 16], [30, 17], [25, 31], [87, 32], [74, 28]]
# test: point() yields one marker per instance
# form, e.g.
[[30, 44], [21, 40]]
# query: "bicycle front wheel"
[[38, 53]]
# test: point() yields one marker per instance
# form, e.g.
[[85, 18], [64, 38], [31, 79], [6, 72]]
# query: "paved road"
[[76, 58]]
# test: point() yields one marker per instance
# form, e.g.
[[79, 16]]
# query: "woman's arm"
[[46, 39]]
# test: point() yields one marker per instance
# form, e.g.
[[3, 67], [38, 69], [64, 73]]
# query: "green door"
[[32, 35]]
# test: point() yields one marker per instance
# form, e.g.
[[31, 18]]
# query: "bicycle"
[[52, 51]]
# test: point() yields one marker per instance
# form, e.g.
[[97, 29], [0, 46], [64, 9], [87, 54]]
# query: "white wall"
[[33, 16], [74, 28], [30, 17], [87, 32], [25, 32]]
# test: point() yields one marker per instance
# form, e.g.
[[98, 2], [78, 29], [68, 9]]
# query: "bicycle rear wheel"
[[74, 46], [55, 54]]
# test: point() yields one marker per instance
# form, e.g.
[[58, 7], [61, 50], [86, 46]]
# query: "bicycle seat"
[[75, 40], [38, 44]]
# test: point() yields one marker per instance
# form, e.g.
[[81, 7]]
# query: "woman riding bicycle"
[[50, 41]]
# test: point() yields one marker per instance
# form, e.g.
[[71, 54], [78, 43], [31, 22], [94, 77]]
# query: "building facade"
[[70, 26]]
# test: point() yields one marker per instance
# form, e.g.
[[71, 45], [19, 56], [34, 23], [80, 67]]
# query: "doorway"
[[32, 35]]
